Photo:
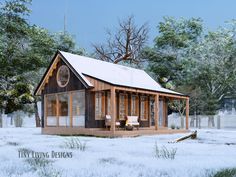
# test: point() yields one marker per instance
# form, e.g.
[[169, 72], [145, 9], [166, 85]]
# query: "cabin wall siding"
[[90, 121], [42, 111], [53, 87]]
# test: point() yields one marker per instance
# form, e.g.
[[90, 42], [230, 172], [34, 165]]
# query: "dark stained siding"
[[52, 86], [90, 121], [42, 111]]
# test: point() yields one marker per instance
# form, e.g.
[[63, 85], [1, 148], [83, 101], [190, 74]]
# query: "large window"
[[108, 103], [65, 109], [134, 105], [51, 110], [144, 108], [63, 101], [78, 108], [123, 106], [99, 105]]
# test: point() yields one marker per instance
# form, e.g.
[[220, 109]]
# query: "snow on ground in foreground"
[[123, 157]]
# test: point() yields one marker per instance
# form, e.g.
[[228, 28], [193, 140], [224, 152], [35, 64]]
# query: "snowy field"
[[119, 157]]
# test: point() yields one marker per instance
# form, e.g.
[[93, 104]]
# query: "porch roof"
[[113, 73]]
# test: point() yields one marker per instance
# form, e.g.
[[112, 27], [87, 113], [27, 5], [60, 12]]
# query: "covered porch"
[[150, 107]]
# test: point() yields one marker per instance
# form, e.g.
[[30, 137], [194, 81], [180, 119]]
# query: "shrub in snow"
[[12, 143], [165, 153], [228, 172], [75, 143], [43, 167], [37, 163], [110, 160], [18, 121]]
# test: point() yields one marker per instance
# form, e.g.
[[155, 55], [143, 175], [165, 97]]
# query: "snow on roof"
[[113, 73]]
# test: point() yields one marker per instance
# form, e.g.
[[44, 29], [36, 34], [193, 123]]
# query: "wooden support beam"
[[164, 113], [173, 96], [45, 111], [113, 109], [156, 111], [187, 112], [151, 92]]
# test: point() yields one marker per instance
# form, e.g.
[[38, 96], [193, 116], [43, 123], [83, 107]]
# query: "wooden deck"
[[106, 133]]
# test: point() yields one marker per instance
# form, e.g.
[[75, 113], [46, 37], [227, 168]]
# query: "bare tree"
[[125, 44], [180, 106]]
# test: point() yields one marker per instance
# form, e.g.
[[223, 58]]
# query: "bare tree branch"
[[125, 44]]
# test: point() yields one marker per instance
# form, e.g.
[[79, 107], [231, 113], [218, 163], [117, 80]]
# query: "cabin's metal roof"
[[113, 73]]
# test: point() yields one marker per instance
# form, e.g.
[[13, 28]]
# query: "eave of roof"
[[82, 77]]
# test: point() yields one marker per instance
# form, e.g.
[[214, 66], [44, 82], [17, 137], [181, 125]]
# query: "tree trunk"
[[11, 118], [36, 113], [0, 119], [211, 122], [192, 122], [218, 121], [199, 121], [182, 121]]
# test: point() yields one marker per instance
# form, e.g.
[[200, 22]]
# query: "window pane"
[[51, 105], [51, 110], [99, 107], [109, 103], [63, 104], [122, 106], [133, 106], [143, 108], [63, 101], [78, 103], [78, 108]]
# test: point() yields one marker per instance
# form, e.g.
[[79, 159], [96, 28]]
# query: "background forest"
[[185, 57]]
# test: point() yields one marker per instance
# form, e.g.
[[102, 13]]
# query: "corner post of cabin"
[[113, 109], [187, 112], [156, 111]]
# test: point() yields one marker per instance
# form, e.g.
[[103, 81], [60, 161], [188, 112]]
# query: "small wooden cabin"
[[78, 92]]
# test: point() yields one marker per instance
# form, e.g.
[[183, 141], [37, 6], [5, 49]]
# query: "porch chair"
[[108, 122], [132, 121]]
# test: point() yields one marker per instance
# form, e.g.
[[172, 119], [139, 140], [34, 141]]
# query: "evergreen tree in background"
[[25, 53]]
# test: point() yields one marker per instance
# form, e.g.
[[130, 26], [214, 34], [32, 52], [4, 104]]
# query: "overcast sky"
[[88, 19]]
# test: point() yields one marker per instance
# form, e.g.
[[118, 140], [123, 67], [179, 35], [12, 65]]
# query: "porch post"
[[113, 109], [164, 112], [187, 112], [156, 111]]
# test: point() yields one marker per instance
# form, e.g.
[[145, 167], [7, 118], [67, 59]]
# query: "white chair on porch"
[[108, 122], [132, 121]]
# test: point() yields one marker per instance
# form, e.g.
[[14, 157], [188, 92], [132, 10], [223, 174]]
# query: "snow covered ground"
[[118, 157]]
